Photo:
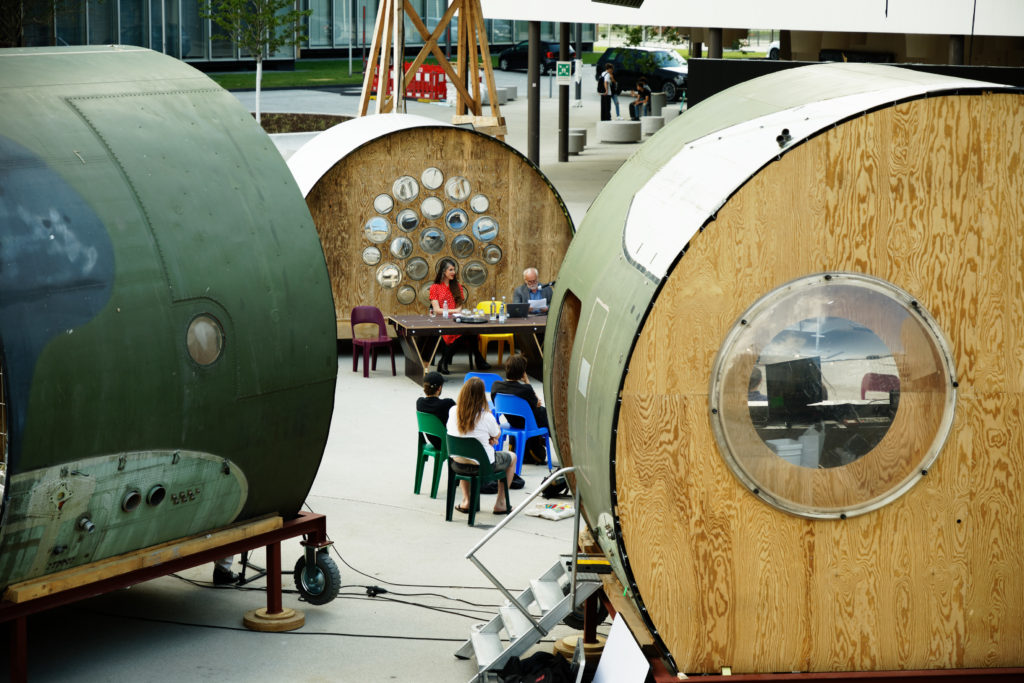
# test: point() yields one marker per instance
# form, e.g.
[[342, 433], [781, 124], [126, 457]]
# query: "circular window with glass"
[[432, 208], [479, 203], [405, 189], [377, 229], [383, 203], [407, 220], [485, 228], [417, 268], [406, 294], [204, 339], [424, 295], [432, 178], [432, 240], [474, 273], [832, 395], [492, 254], [389, 276], [457, 188], [462, 246], [371, 256], [456, 219], [401, 247]]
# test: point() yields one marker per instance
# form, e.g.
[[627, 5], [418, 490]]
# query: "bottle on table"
[[502, 312], [444, 313], [492, 315]]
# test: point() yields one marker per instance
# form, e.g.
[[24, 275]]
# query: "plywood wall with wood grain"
[[928, 195], [534, 227]]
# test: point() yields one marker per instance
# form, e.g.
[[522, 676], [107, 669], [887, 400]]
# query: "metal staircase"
[[529, 616]]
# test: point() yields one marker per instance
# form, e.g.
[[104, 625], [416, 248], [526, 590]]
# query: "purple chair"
[[372, 315]]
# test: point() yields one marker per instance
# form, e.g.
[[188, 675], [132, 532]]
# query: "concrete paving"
[[179, 628]]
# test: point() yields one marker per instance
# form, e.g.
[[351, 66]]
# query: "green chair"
[[476, 474], [429, 424]]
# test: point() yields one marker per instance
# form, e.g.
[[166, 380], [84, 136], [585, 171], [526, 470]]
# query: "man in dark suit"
[[532, 289]]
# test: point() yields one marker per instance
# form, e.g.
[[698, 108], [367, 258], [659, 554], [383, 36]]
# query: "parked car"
[[516, 57], [665, 70], [773, 50]]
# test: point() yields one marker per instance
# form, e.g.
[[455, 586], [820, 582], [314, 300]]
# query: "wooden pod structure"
[[391, 195], [787, 362], [167, 346]]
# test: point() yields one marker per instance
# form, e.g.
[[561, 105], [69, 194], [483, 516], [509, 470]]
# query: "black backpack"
[[540, 667], [600, 83]]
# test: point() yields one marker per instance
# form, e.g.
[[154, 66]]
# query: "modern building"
[[177, 28]]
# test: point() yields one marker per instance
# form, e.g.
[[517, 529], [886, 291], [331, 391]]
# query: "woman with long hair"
[[472, 417], [448, 289]]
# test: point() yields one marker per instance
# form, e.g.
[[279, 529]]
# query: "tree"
[[259, 27]]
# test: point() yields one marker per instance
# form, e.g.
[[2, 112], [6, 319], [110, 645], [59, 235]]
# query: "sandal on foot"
[[463, 510]]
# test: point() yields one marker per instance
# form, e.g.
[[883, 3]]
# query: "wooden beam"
[[485, 52], [373, 58], [385, 60]]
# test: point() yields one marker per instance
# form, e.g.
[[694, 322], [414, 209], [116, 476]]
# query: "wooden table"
[[420, 336]]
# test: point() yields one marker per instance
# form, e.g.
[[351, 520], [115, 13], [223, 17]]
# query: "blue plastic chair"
[[507, 404]]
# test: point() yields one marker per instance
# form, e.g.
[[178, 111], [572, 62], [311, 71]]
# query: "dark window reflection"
[[823, 392]]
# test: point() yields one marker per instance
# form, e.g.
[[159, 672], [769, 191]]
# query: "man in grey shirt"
[[532, 289]]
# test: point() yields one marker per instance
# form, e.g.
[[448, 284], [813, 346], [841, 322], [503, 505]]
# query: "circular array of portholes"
[[438, 216]]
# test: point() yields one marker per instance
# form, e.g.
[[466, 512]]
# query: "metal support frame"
[[313, 528], [471, 555]]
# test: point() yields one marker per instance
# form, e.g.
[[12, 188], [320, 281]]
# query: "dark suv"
[[516, 56], [665, 70]]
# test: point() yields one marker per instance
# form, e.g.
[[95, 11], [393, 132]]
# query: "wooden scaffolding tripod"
[[387, 48]]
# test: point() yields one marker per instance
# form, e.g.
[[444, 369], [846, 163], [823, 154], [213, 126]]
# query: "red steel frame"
[[313, 527]]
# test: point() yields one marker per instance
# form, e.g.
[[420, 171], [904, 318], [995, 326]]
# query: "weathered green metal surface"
[[135, 195]]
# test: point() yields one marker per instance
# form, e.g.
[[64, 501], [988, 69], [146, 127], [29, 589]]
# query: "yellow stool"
[[501, 339]]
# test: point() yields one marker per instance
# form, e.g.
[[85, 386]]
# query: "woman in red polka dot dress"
[[446, 288]]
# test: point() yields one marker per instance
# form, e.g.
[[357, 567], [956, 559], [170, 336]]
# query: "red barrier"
[[429, 83]]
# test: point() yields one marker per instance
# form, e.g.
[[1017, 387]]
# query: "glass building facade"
[[175, 27]]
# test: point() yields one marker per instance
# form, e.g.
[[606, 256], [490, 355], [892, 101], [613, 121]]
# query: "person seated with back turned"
[[516, 384], [641, 105], [448, 290], [432, 403], [531, 289], [472, 418]]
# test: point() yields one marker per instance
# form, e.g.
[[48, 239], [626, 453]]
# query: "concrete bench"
[[618, 131], [501, 94], [649, 125], [576, 141], [658, 101], [580, 130]]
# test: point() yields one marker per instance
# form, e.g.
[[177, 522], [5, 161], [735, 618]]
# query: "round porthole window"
[[485, 228], [432, 208], [371, 256], [383, 203], [424, 295], [417, 268], [492, 254], [432, 178], [432, 240], [407, 220], [457, 188], [456, 219], [474, 273], [401, 247], [832, 395], [377, 229], [479, 203], [462, 246], [388, 276], [406, 294], [405, 189], [204, 339]]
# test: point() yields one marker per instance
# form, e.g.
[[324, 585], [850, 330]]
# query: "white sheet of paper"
[[622, 660], [537, 304]]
